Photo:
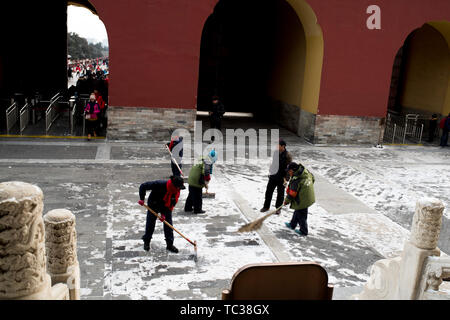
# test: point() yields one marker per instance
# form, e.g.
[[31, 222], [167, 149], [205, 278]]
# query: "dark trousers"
[[150, 226], [175, 170], [216, 122], [194, 199], [432, 132], [300, 217], [444, 138], [274, 183], [91, 126]]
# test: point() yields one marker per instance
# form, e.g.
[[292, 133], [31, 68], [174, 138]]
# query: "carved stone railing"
[[23, 269], [61, 246], [417, 274]]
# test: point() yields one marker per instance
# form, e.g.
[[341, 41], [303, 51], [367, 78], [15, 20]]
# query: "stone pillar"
[[22, 248], [418, 272], [61, 247], [422, 244]]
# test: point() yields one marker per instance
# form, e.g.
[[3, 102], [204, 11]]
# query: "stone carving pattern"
[[436, 269], [61, 246], [22, 246], [383, 280], [426, 226]]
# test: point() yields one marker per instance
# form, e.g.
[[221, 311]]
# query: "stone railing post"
[[418, 272], [425, 230], [61, 247], [22, 245]]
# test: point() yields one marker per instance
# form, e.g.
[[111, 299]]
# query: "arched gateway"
[[328, 77], [265, 58]]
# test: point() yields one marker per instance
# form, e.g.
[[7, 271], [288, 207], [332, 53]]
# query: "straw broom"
[[257, 224]]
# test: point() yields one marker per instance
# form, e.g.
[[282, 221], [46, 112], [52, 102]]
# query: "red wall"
[[155, 48], [358, 62]]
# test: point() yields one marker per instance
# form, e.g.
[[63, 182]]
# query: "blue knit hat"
[[212, 156]]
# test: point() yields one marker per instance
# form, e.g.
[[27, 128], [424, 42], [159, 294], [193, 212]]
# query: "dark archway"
[[421, 73], [263, 57], [420, 83], [33, 55], [247, 48], [33, 51]]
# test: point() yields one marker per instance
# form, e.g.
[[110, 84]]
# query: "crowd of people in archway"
[[92, 80], [86, 67], [91, 74]]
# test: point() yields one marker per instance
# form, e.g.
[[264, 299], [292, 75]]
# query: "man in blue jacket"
[[162, 199]]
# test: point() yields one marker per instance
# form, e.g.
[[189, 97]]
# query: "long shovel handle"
[[169, 225], [173, 159]]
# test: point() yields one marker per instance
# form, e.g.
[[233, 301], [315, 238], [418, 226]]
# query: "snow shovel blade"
[[209, 195], [195, 251]]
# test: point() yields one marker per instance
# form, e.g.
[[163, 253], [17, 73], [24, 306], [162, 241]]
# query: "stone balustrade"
[[419, 272], [23, 260]]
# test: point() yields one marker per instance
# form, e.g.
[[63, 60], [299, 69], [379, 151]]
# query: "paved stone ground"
[[365, 204]]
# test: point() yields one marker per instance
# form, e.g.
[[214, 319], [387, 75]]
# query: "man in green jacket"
[[300, 195], [199, 178]]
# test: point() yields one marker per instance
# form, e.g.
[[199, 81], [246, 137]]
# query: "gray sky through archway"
[[86, 24]]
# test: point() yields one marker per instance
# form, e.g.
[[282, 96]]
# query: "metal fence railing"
[[72, 112], [24, 117], [12, 116], [404, 128], [51, 114], [84, 124]]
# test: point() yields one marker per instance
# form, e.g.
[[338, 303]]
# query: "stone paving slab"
[[46, 152], [380, 188]]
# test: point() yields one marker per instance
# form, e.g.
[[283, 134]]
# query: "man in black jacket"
[[162, 199], [432, 128], [216, 114], [281, 159]]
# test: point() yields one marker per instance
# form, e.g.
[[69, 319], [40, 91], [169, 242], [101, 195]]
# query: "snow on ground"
[[221, 251], [388, 181]]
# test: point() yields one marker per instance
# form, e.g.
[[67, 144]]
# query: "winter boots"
[[288, 224], [171, 248], [146, 244], [300, 233]]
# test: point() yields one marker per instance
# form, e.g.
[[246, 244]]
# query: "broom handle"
[[179, 166], [168, 224], [273, 212], [173, 159]]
